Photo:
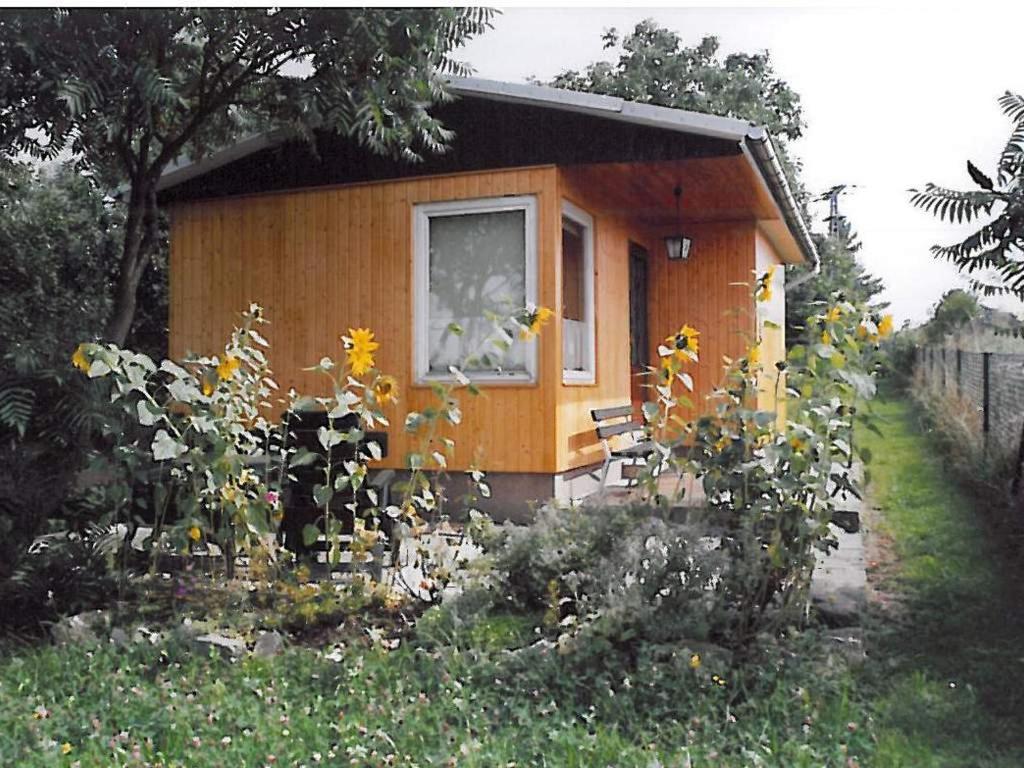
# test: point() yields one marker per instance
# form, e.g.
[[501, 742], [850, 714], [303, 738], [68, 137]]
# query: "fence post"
[[986, 359]]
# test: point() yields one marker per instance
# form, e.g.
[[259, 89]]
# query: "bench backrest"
[[610, 423]]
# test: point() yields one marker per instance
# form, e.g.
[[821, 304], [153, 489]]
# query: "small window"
[[474, 259], [577, 296]]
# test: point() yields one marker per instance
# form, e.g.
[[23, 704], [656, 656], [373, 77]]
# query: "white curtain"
[[477, 265]]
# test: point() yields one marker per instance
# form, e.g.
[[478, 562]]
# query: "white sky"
[[892, 98]]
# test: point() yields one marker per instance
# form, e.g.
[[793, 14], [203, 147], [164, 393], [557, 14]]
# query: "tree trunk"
[[140, 235]]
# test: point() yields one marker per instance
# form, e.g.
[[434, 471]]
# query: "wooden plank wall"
[[323, 260], [703, 292]]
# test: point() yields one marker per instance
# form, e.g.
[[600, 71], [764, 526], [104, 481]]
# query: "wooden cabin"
[[548, 196]]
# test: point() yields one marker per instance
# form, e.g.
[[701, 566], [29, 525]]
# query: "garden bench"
[[618, 422]]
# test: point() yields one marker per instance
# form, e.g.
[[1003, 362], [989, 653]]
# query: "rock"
[[120, 638], [226, 646], [81, 629], [268, 645]]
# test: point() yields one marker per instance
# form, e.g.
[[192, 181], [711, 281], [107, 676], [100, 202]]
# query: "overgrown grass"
[[165, 705], [950, 671]]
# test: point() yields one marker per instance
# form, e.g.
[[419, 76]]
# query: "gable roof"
[[640, 125]]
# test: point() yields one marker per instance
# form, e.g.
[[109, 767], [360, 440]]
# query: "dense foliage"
[[655, 66], [840, 273], [127, 91], [992, 254], [58, 234]]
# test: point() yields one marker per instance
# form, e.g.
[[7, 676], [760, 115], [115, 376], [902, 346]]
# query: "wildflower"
[[272, 498], [228, 367], [862, 331], [195, 533], [79, 359], [684, 343], [40, 713], [695, 661], [359, 349], [885, 326], [826, 338], [754, 355], [797, 444], [207, 385], [229, 493], [384, 389], [833, 314], [533, 321], [764, 285], [65, 748]]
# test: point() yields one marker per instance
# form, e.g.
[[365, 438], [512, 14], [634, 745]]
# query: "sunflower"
[[764, 285], [228, 367], [195, 533], [359, 349], [826, 338], [384, 389], [79, 359], [533, 321], [754, 355], [684, 343], [885, 326], [833, 314]]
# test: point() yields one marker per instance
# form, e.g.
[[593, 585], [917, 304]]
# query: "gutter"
[[757, 146]]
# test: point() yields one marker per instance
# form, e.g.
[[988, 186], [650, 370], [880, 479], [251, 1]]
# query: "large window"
[[577, 295], [473, 259]]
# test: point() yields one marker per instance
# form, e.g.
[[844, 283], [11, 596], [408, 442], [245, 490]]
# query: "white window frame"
[[422, 214], [586, 221]]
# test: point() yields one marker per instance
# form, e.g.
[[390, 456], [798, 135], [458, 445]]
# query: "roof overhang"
[[789, 232]]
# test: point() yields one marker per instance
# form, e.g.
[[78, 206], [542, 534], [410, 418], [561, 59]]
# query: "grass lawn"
[[943, 686], [950, 672]]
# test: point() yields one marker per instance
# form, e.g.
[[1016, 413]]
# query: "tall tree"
[[655, 66], [954, 310], [992, 255], [127, 91]]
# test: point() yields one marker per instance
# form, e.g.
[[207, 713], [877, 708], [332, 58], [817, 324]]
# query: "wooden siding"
[[710, 291], [321, 261]]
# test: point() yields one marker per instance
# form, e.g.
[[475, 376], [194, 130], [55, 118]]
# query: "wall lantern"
[[678, 246]]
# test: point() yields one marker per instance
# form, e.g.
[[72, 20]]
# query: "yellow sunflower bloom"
[[65, 748], [79, 359], [359, 349], [862, 331], [754, 355], [534, 321], [833, 315], [684, 343], [695, 661], [825, 337], [228, 367], [764, 285], [384, 389], [885, 326], [195, 533], [360, 361]]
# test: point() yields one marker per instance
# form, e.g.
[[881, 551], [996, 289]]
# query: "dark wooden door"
[[639, 343]]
